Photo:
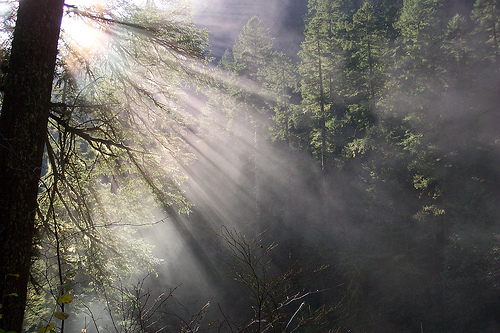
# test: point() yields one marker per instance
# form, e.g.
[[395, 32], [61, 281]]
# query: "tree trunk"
[[322, 111], [23, 128]]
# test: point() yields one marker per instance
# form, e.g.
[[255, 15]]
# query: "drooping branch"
[[170, 35], [87, 137]]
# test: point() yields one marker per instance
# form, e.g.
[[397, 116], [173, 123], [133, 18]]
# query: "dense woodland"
[[352, 187]]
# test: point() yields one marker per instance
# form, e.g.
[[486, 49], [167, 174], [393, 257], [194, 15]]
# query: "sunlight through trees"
[[348, 182]]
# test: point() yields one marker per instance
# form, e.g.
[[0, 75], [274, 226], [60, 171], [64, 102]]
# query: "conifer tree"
[[367, 52], [243, 99], [279, 79], [23, 123], [84, 135], [252, 49], [321, 60], [486, 14]]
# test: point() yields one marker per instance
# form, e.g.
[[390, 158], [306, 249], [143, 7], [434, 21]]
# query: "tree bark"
[[23, 130]]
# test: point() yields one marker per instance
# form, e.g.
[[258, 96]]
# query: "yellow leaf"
[[46, 328], [65, 299], [61, 315], [14, 275]]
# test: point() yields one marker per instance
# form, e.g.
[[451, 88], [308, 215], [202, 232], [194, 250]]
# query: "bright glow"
[[82, 34]]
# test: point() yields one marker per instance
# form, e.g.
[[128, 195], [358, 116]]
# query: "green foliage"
[[404, 75], [113, 146], [398, 103], [486, 14], [252, 48]]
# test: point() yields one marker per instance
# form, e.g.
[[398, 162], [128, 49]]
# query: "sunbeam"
[[265, 165]]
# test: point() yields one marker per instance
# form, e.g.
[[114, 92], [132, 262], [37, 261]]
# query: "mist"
[[379, 241], [225, 19], [357, 191]]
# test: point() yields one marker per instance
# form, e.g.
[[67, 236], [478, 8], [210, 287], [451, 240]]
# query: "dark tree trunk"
[[23, 128], [322, 111]]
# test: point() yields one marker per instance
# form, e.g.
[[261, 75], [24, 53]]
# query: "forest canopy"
[[352, 186]]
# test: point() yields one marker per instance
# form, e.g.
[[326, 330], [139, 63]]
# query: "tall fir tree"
[[322, 58], [23, 124]]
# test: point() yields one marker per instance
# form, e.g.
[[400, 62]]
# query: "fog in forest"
[[243, 181], [225, 18], [349, 183]]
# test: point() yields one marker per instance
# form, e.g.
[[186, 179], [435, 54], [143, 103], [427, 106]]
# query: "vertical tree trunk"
[[286, 124], [23, 127], [370, 65], [257, 198], [322, 111], [495, 40]]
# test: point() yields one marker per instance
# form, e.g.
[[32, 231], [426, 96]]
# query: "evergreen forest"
[[148, 186]]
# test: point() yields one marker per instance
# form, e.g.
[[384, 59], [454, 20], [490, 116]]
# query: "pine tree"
[[486, 14], [84, 136], [419, 43], [279, 80], [243, 100], [252, 49], [23, 123], [321, 60], [367, 53]]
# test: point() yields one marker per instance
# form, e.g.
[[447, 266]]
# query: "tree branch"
[[90, 139]]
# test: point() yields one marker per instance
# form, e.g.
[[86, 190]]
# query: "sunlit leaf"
[[47, 328], [13, 294], [14, 275], [61, 315], [65, 299]]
